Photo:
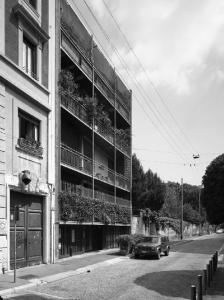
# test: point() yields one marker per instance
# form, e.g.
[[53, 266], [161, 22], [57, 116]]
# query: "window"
[[29, 57], [29, 128]]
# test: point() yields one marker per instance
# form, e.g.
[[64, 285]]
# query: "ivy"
[[161, 221], [80, 209]]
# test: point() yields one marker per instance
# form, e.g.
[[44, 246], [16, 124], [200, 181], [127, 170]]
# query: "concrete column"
[[20, 44], [51, 126], [39, 62], [2, 26], [3, 205]]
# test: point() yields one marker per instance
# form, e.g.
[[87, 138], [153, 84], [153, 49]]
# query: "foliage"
[[123, 136], [129, 240], [213, 191], [190, 214], [137, 183], [67, 84], [153, 195], [77, 208], [171, 207], [166, 222]]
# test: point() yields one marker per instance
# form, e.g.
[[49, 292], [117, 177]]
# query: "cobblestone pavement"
[[124, 278]]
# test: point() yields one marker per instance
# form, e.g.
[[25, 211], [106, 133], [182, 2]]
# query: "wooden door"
[[29, 230]]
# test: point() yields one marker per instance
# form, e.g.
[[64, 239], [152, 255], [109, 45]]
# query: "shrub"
[[128, 241]]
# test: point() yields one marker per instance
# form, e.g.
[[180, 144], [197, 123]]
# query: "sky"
[[170, 53]]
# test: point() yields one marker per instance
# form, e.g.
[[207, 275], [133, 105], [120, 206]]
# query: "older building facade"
[[93, 138], [26, 188]]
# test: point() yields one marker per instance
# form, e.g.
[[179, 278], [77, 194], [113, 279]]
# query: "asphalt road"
[[127, 279]]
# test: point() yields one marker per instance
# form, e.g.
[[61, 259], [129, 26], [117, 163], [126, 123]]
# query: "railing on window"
[[30, 146], [76, 160], [88, 193]]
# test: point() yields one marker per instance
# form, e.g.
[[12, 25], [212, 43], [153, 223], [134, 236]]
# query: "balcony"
[[84, 165], [74, 106], [107, 133], [76, 160], [88, 193]]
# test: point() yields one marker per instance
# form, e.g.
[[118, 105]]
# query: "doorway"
[[29, 229]]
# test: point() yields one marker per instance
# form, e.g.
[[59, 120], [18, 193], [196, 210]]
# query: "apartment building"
[[26, 134], [93, 138]]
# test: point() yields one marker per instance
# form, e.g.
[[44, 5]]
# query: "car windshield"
[[151, 239]]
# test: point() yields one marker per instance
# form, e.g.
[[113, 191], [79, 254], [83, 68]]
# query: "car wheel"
[[167, 252], [136, 255], [158, 255]]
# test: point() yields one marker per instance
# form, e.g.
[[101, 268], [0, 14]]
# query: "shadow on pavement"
[[169, 283]]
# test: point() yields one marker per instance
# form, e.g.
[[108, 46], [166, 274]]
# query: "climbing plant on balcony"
[[77, 208], [123, 136], [67, 84]]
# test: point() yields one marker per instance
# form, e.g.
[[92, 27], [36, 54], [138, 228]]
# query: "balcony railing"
[[76, 160], [75, 108], [84, 164], [122, 145], [88, 193], [30, 146], [107, 133], [79, 110]]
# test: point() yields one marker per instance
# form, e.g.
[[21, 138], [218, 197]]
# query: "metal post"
[[199, 209], [115, 137], [14, 244], [211, 271], [208, 274], [182, 212], [213, 262], [193, 292], [205, 280], [200, 287], [217, 257], [93, 119]]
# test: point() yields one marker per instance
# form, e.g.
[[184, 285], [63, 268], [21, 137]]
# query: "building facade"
[[26, 130], [93, 138]]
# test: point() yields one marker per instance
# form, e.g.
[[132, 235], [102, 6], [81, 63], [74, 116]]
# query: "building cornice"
[[21, 12], [17, 79]]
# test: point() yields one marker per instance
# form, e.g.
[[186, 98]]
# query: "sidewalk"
[[32, 276]]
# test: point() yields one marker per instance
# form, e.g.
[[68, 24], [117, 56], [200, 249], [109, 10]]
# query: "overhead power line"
[[137, 85], [147, 77]]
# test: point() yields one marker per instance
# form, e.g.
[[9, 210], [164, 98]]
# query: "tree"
[[213, 191], [171, 207], [154, 190], [137, 183]]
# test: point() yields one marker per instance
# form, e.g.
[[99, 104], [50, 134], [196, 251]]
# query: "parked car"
[[152, 245], [220, 230]]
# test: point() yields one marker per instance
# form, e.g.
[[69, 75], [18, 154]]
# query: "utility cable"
[[145, 72]]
